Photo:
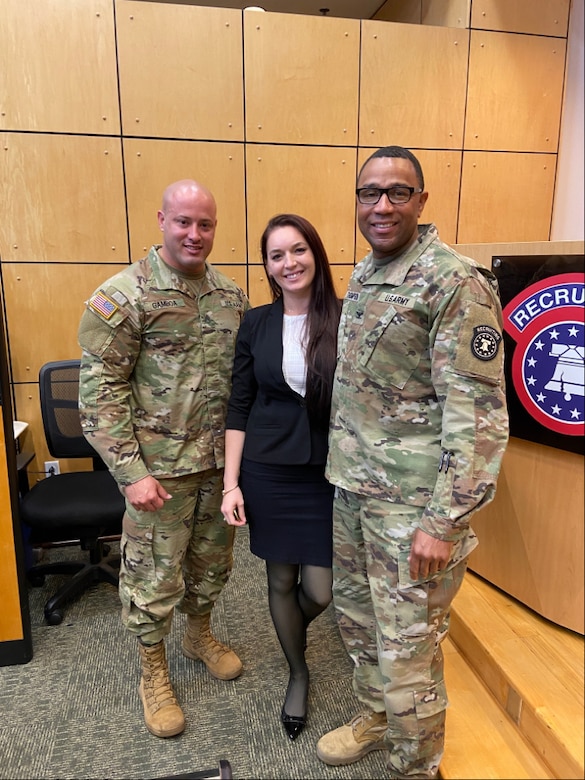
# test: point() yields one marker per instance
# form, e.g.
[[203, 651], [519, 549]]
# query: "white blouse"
[[294, 363]]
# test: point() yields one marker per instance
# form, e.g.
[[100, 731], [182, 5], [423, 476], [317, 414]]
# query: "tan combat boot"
[[353, 741], [162, 714], [200, 645]]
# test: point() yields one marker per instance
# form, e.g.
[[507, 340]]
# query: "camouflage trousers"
[[392, 627], [180, 556]]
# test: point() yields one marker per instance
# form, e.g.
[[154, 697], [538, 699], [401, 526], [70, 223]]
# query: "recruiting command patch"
[[548, 363], [478, 346], [485, 342]]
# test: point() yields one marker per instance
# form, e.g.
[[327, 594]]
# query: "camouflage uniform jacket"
[[419, 408], [156, 370]]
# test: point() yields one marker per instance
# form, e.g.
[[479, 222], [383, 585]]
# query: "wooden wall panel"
[[58, 66], [442, 172], [341, 274], [417, 100], [28, 407], [181, 71], [515, 92], [518, 208], [237, 273], [406, 11], [315, 182], [301, 80], [62, 199], [259, 289], [151, 165], [446, 13], [539, 17], [443, 13], [44, 303]]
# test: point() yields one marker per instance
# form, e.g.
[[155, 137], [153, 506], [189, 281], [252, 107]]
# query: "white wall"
[[568, 210]]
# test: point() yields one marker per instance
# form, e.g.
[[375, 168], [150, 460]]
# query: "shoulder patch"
[[103, 305], [485, 342], [478, 343], [119, 297]]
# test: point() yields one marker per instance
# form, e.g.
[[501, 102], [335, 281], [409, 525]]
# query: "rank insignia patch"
[[103, 305], [485, 342]]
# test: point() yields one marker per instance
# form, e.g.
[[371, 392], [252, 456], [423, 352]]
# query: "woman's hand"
[[232, 507]]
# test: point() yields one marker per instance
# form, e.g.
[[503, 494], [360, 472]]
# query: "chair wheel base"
[[54, 618]]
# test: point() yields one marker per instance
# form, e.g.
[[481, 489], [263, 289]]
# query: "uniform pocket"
[[431, 701], [411, 712], [392, 345], [136, 549]]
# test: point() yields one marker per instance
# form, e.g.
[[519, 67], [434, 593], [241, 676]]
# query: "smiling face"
[[389, 228], [290, 262], [187, 220]]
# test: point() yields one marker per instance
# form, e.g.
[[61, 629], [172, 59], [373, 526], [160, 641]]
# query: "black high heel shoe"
[[293, 724]]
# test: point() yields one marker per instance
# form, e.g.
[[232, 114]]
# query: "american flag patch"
[[103, 305]]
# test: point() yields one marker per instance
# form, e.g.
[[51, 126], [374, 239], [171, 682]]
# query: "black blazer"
[[274, 417]]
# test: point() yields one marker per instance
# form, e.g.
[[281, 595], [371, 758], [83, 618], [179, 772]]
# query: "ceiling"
[[349, 9]]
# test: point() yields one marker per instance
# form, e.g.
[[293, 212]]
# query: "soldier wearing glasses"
[[419, 427]]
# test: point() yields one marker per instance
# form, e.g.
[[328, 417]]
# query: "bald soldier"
[[418, 431], [158, 344]]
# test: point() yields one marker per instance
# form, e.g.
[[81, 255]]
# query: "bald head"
[[185, 188], [187, 219]]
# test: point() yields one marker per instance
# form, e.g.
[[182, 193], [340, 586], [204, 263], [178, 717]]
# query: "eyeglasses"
[[398, 195]]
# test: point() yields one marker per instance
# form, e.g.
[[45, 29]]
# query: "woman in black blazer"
[[276, 440]]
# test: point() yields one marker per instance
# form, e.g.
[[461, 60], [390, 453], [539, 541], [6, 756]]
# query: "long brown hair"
[[322, 317]]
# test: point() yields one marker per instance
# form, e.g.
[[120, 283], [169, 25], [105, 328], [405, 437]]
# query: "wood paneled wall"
[[105, 102]]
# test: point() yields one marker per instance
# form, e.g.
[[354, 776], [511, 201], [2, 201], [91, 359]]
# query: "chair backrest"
[[59, 393]]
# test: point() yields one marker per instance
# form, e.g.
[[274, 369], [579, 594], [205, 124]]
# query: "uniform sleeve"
[[468, 377], [244, 385], [109, 336]]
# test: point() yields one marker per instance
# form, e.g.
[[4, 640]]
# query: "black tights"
[[296, 595]]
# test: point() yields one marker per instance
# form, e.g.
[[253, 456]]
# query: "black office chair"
[[81, 506]]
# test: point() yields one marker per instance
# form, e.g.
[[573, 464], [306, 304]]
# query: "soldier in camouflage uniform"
[[419, 428], [158, 344]]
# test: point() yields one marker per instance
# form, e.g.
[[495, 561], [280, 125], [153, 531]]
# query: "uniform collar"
[[395, 271], [167, 279]]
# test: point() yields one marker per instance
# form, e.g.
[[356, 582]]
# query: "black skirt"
[[289, 512]]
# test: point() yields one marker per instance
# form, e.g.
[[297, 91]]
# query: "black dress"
[[287, 498]]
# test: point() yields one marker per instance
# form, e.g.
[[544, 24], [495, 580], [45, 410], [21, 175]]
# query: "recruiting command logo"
[[546, 320]]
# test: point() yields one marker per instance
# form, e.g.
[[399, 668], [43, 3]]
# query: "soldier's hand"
[[428, 555], [147, 495]]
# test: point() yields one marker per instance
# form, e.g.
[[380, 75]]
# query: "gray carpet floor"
[[73, 711]]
